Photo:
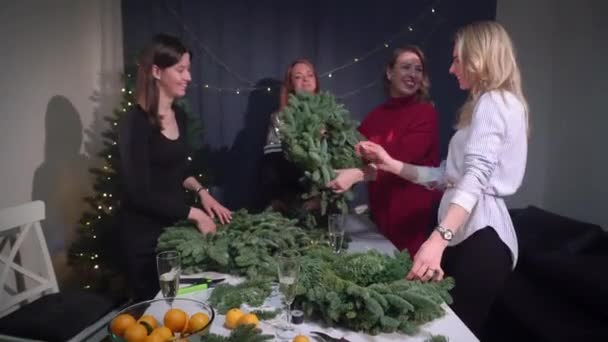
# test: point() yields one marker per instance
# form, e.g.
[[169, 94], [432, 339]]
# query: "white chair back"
[[18, 284]]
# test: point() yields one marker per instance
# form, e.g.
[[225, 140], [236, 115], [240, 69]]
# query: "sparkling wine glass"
[[289, 271], [169, 268]]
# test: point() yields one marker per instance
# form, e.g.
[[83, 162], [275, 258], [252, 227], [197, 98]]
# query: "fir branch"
[[437, 338], [253, 292], [265, 315]]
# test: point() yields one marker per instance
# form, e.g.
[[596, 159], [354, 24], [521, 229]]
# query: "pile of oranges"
[[236, 317], [147, 329], [177, 324]]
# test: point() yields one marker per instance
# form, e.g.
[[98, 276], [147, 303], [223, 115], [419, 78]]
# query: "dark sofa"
[[559, 289]]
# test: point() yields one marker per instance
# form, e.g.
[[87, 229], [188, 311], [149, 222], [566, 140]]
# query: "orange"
[[197, 322], [249, 319], [301, 338], [120, 323], [150, 320], [176, 320], [164, 333], [232, 318], [153, 338], [136, 333]]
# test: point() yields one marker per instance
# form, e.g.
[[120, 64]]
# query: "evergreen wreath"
[[319, 137]]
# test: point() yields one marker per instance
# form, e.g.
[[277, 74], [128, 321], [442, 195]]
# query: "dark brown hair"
[[164, 51]]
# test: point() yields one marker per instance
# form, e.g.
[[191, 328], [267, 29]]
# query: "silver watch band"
[[445, 233]]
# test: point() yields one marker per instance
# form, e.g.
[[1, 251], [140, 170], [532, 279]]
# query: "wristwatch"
[[445, 233]]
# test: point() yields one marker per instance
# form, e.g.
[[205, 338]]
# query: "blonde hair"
[[488, 62], [423, 93]]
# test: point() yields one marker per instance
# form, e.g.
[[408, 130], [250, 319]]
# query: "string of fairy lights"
[[248, 85]]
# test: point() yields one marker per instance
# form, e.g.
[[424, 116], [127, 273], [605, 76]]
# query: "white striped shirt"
[[486, 162]]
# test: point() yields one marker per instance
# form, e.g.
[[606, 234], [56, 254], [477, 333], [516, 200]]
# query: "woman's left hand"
[[214, 209], [427, 262]]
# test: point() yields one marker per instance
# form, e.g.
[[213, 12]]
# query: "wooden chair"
[[31, 306], [16, 224]]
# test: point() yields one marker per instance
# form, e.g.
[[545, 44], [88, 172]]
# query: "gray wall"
[[563, 51], [60, 65]]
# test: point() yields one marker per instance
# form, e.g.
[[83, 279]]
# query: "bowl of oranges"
[[162, 320]]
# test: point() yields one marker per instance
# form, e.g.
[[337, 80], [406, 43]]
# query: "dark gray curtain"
[[243, 44]]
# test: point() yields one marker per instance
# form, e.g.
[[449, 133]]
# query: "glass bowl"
[[158, 308]]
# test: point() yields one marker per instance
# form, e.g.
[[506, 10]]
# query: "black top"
[[153, 168]]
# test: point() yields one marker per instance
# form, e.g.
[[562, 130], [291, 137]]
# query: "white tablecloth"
[[364, 237]]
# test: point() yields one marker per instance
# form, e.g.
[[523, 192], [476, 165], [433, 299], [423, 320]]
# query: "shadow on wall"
[[241, 168], [61, 181], [105, 100]]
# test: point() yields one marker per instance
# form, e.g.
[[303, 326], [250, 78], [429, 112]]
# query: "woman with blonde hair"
[[475, 241]]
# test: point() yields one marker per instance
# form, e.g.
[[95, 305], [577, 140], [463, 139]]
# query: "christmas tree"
[[93, 255]]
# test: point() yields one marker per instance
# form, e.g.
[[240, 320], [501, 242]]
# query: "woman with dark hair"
[[280, 178], [154, 165], [406, 125]]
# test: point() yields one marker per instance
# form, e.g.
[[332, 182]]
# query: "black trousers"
[[480, 266]]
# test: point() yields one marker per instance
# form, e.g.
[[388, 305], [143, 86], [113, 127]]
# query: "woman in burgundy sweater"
[[406, 125]]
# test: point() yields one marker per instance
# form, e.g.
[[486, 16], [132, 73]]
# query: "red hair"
[[287, 86]]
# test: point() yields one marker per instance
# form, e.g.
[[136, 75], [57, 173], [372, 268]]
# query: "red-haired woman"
[[280, 178]]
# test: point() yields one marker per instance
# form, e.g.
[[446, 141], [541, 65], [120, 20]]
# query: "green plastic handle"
[[193, 288]]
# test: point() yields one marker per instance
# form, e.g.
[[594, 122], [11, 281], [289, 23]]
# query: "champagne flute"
[[289, 271], [169, 268]]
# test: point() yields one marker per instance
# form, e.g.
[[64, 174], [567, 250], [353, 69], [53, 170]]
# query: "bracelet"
[[201, 188]]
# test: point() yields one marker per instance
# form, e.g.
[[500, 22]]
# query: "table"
[[364, 236]]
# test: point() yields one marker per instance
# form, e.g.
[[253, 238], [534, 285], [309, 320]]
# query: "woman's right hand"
[[344, 180], [376, 154], [204, 223]]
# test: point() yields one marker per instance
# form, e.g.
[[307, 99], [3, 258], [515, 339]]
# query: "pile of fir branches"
[[359, 291]]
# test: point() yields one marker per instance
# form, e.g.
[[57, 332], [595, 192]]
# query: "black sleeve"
[[135, 132]]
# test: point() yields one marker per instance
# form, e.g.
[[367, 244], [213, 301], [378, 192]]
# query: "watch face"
[[446, 234]]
